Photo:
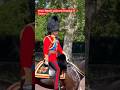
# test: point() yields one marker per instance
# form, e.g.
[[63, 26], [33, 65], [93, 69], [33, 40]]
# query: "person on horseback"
[[51, 47]]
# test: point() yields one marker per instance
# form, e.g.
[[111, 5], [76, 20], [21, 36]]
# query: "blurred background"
[[103, 25], [14, 14]]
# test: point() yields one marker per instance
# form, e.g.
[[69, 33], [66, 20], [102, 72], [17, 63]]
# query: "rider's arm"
[[46, 44], [60, 48]]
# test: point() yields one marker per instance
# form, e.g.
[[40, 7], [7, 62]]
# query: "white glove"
[[46, 62], [66, 56]]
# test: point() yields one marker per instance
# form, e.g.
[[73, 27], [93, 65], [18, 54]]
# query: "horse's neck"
[[76, 68], [72, 77], [73, 72]]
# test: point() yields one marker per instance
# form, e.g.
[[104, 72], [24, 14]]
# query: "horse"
[[73, 78], [71, 82]]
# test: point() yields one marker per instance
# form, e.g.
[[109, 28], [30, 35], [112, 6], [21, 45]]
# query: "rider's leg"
[[55, 66]]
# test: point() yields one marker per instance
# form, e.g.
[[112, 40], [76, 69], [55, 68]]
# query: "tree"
[[71, 24], [13, 14]]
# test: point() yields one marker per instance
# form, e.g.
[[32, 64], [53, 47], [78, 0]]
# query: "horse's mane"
[[64, 58], [75, 66], [75, 73]]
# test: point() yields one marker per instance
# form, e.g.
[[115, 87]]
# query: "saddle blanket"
[[42, 71]]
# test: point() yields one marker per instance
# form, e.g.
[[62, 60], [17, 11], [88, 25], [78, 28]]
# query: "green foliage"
[[12, 16], [41, 21], [79, 34], [53, 3], [40, 27]]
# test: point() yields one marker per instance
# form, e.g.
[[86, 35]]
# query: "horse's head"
[[61, 57], [62, 62]]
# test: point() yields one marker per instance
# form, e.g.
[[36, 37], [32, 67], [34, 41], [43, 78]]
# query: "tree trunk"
[[71, 26], [68, 40], [69, 35]]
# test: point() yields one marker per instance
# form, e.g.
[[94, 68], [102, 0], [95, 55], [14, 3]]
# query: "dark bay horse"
[[71, 82]]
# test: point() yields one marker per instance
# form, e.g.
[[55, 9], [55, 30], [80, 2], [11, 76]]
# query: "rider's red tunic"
[[51, 47], [47, 44]]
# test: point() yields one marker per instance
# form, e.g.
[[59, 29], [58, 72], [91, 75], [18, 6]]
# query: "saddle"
[[43, 71]]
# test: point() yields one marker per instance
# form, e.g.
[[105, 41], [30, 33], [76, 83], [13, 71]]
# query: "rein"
[[76, 68]]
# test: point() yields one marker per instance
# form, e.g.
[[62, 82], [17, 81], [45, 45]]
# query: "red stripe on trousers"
[[56, 75]]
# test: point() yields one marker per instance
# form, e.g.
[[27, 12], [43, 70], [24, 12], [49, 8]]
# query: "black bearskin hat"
[[53, 24]]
